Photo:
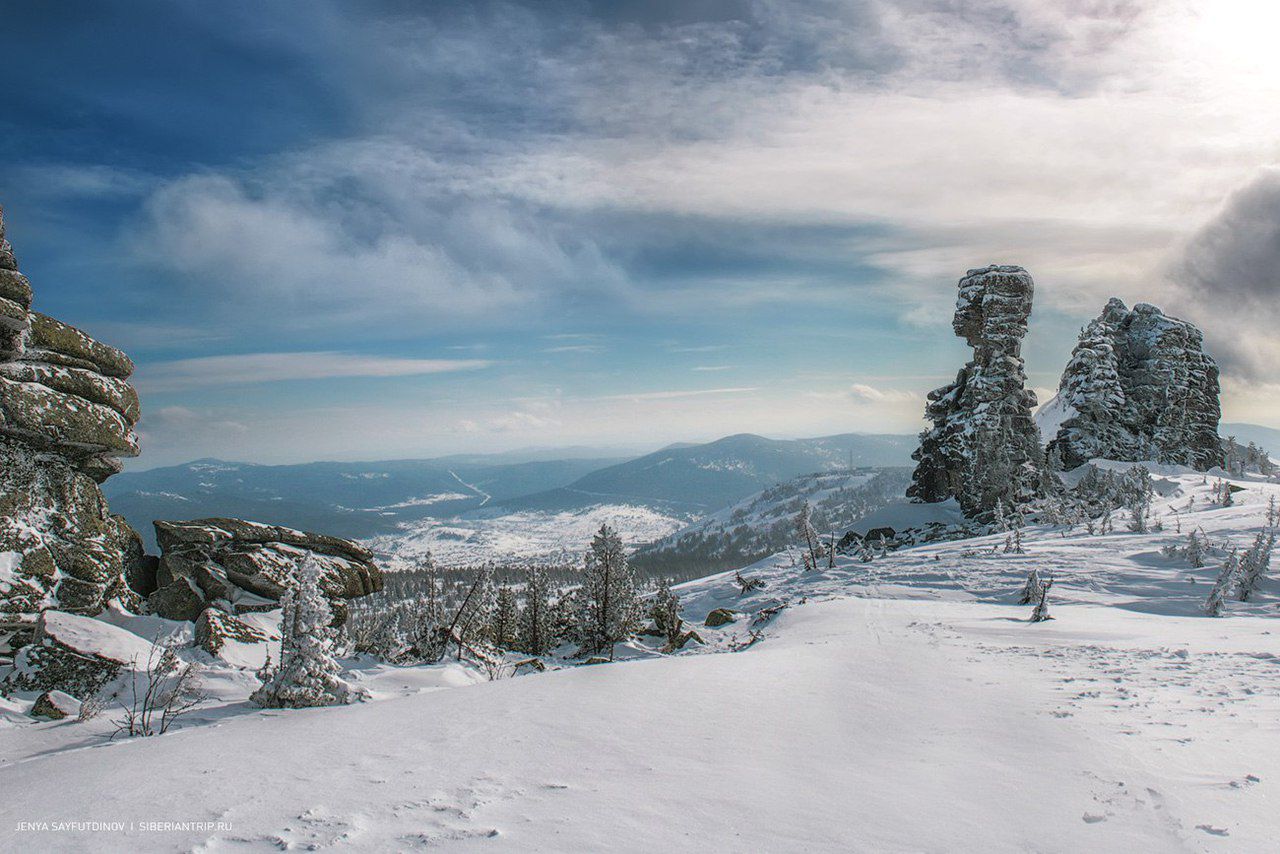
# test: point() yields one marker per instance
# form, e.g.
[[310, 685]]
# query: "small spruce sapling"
[[665, 612], [1195, 550], [308, 670], [536, 623], [745, 584], [1041, 612], [1226, 579], [1031, 590], [1255, 563]]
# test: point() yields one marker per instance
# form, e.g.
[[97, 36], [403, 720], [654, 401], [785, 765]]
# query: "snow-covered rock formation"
[[1139, 386], [242, 567], [67, 414], [984, 447]]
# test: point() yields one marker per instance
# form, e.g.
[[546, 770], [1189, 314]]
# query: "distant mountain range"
[[764, 524], [701, 479], [367, 499], [1265, 437], [362, 500], [346, 499]]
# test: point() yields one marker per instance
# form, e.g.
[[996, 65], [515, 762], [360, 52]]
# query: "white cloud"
[[251, 368], [863, 393], [574, 348]]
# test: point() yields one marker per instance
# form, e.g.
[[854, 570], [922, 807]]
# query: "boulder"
[[60, 547], [214, 629], [55, 705], [720, 617], [75, 654], [247, 566], [1138, 387], [984, 447]]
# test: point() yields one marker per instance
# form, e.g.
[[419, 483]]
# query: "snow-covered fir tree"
[[1222, 586], [1031, 589], [504, 618], [809, 545], [536, 619], [1041, 612], [308, 671], [1255, 564], [665, 612], [1194, 551], [1139, 513], [610, 607]]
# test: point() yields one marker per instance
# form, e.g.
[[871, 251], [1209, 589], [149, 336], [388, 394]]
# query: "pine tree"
[[610, 607], [665, 611], [1226, 579], [1139, 511], [1031, 590], [1255, 563], [536, 628], [1041, 612], [308, 670], [503, 620], [1194, 550], [808, 536]]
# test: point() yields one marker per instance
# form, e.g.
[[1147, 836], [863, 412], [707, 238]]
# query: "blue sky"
[[370, 230]]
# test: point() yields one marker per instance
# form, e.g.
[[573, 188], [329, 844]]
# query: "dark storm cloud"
[[1229, 274]]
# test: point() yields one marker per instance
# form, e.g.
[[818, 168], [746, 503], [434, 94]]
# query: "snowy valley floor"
[[900, 705]]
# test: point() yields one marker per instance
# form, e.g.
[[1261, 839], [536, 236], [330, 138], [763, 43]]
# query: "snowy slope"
[[521, 535], [764, 523], [899, 705]]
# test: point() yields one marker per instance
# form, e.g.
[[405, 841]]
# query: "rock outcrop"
[[75, 654], [67, 414], [242, 567], [1139, 386], [984, 447]]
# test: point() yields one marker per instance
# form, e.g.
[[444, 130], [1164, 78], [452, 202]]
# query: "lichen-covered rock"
[[214, 629], [60, 390], [55, 705], [75, 654], [984, 447], [60, 547], [719, 617], [1138, 386], [246, 566], [67, 415], [7, 261]]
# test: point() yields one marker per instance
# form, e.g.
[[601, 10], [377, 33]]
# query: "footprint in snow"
[[1213, 831], [1093, 818]]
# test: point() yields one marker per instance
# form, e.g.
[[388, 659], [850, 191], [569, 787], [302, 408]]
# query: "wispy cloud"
[[252, 368], [675, 395], [575, 348], [709, 368]]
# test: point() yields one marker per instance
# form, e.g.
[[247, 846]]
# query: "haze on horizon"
[[375, 230]]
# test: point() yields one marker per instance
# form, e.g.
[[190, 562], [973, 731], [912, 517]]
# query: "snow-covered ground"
[[522, 535], [900, 705]]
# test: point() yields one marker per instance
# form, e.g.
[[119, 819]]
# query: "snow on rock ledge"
[[75, 654]]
